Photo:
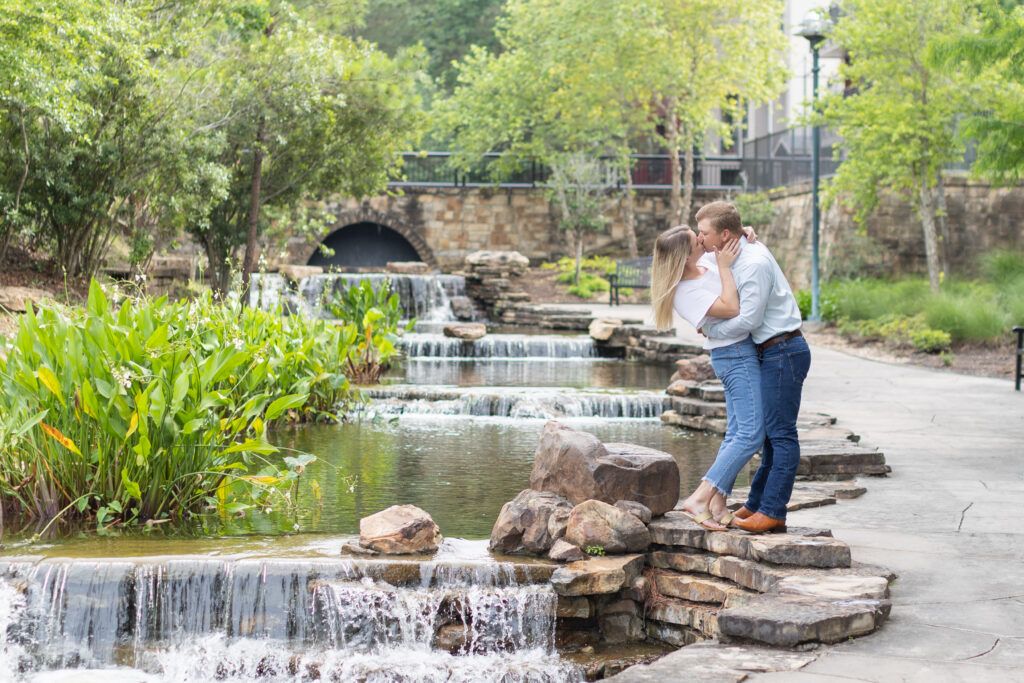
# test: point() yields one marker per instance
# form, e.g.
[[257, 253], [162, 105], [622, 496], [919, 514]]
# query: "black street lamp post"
[[813, 29]]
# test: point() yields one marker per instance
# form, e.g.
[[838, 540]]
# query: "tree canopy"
[[898, 124]]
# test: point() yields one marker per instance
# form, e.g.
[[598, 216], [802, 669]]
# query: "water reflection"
[[460, 470]]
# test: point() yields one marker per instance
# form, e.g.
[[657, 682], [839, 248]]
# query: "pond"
[[269, 596]]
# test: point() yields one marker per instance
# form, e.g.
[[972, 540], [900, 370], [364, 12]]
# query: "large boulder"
[[579, 467], [593, 523], [523, 523], [400, 530]]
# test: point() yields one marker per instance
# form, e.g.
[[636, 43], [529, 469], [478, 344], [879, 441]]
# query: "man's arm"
[[753, 291]]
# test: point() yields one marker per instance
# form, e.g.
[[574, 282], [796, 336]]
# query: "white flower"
[[296, 526], [122, 376], [239, 344]]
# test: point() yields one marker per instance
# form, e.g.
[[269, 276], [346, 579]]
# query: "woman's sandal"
[[703, 518]]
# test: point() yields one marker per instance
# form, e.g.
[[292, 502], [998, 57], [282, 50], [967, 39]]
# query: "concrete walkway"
[[949, 519]]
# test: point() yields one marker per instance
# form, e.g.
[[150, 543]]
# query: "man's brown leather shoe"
[[743, 513], [761, 524]]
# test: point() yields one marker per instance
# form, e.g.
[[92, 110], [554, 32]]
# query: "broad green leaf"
[[50, 381], [251, 446], [285, 403], [131, 487]]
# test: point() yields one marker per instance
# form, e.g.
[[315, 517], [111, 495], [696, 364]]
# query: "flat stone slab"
[[596, 576], [788, 620], [758, 576], [685, 405], [700, 617], [679, 636], [803, 547], [703, 423], [713, 662], [697, 588], [836, 587], [801, 499]]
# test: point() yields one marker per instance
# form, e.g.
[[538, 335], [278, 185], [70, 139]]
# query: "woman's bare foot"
[[698, 507]]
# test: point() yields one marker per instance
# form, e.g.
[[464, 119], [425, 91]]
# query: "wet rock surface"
[[597, 576], [400, 530], [603, 328], [579, 467], [596, 524], [524, 523], [466, 331]]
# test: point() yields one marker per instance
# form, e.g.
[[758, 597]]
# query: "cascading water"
[[494, 346], [536, 403], [200, 619], [426, 297]]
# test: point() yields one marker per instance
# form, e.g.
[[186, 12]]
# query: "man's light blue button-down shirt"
[[767, 305]]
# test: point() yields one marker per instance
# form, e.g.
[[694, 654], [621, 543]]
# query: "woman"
[[698, 287]]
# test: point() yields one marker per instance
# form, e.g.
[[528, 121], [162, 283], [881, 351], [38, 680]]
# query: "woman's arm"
[[728, 304]]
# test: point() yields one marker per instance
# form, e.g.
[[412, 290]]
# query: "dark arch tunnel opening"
[[364, 245]]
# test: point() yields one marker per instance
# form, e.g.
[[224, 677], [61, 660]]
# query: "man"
[[769, 312]]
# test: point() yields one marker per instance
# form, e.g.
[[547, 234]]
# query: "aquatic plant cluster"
[[148, 411]]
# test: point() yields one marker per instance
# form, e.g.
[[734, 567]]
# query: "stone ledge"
[[755, 575], [597, 576], [788, 620], [801, 547], [713, 662]]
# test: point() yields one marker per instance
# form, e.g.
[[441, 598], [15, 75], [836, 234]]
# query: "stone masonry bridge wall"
[[445, 224]]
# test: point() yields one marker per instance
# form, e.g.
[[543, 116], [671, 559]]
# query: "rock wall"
[[980, 218]]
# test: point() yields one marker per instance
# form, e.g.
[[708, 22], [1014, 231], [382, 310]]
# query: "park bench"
[[634, 273], [1017, 375]]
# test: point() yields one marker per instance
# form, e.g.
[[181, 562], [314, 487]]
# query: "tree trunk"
[[942, 223], [926, 210], [675, 211], [684, 212], [630, 216], [248, 263], [5, 235], [579, 254]]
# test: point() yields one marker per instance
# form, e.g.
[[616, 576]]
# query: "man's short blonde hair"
[[721, 215]]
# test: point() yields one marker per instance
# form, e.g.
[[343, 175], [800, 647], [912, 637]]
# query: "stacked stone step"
[[779, 590], [490, 280], [650, 345], [696, 404]]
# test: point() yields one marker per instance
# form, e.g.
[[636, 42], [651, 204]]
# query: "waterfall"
[[421, 296], [198, 619], [537, 403], [524, 346]]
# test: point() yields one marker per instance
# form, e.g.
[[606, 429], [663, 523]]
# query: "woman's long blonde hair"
[[671, 250]]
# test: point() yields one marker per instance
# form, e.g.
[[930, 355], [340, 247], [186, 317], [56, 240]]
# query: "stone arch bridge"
[[441, 225]]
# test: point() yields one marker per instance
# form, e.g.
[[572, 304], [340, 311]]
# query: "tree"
[[301, 115], [995, 56], [568, 81], [708, 59], [898, 126], [578, 190], [445, 28], [580, 76]]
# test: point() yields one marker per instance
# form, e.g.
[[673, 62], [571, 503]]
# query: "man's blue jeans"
[[783, 370], [738, 368]]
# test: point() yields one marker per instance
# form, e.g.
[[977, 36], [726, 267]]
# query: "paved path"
[[949, 519]]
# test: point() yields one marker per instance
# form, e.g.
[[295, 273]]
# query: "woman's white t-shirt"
[[693, 299]]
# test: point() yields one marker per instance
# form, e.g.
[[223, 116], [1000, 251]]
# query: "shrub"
[[155, 410], [755, 209], [593, 272], [826, 302], [375, 315], [899, 330], [1003, 267], [969, 315]]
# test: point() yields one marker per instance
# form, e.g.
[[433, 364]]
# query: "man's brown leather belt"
[[778, 339]]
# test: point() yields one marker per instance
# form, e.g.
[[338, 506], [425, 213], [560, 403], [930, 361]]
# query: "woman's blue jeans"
[[783, 370], [738, 367]]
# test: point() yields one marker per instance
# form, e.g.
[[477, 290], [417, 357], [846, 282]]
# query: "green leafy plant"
[[901, 330], [597, 550], [592, 279], [152, 411], [373, 315]]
